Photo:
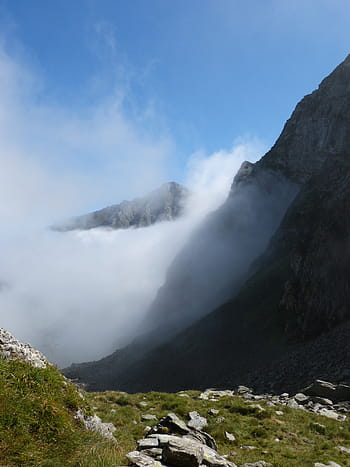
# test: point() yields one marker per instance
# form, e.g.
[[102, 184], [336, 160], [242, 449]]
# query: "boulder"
[[173, 424], [181, 452], [196, 421], [325, 389]]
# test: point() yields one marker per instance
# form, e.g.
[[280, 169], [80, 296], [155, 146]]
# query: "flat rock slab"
[[148, 417], [331, 414], [336, 393], [147, 443], [330, 464], [139, 459], [256, 464]]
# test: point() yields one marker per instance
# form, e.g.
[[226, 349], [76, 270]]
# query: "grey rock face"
[[164, 204], [13, 349], [318, 127]]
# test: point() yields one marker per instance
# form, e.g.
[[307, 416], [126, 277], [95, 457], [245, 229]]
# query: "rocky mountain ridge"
[[164, 204], [279, 246]]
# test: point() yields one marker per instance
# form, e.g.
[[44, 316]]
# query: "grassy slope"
[[37, 427], [301, 441]]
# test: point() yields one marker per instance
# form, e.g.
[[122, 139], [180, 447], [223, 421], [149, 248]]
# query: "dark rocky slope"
[[290, 322], [214, 263], [274, 330], [164, 204]]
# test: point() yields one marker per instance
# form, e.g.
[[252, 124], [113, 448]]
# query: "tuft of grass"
[[37, 424]]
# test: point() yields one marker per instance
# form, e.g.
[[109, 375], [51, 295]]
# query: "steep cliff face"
[[164, 204], [318, 127], [289, 323], [315, 237], [274, 284], [216, 260]]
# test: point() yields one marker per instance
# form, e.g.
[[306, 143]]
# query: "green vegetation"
[[296, 438], [37, 425]]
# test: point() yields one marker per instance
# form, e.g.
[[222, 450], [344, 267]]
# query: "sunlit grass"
[[37, 427]]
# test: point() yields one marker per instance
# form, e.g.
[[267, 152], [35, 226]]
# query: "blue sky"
[[194, 75]]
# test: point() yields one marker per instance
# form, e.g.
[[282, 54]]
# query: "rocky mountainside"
[[164, 204], [271, 266]]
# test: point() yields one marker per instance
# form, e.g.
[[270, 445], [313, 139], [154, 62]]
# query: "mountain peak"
[[166, 203]]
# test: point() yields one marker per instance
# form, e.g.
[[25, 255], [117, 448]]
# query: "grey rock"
[[94, 423], [330, 464], [156, 453], [241, 390], [182, 452], [343, 449], [173, 423], [331, 414], [197, 422], [210, 394], [139, 459], [230, 436], [325, 389], [164, 204], [293, 404], [213, 411], [212, 459], [204, 438], [13, 349], [301, 398], [322, 400], [147, 443], [148, 417], [256, 464]]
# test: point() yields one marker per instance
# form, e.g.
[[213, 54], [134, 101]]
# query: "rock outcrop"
[[13, 349], [164, 204], [172, 443]]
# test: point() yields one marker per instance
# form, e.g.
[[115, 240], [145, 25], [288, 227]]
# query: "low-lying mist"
[[79, 295]]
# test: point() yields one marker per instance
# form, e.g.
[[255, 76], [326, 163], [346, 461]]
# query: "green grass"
[[301, 440], [37, 427]]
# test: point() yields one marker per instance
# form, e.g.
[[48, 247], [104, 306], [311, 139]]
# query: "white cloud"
[[78, 295]]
